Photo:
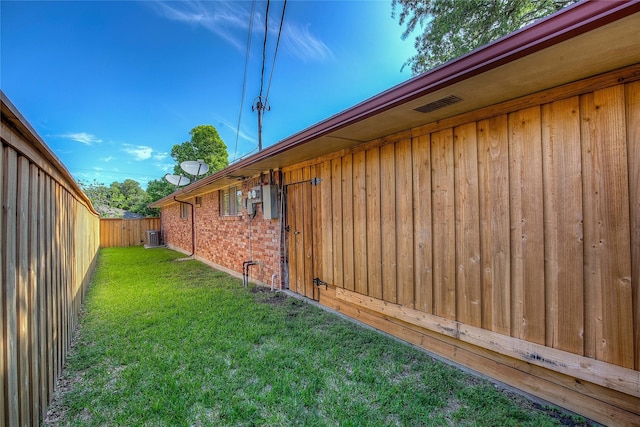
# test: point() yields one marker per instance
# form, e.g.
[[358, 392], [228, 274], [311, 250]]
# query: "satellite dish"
[[195, 167], [177, 180]]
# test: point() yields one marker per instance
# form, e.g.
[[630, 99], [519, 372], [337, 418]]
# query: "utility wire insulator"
[[260, 104]]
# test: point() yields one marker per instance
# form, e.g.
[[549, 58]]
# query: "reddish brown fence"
[[48, 245], [117, 232]]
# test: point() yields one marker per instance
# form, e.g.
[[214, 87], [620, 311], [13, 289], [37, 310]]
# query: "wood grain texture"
[[307, 234], [444, 232], [4, 404], [336, 210], [33, 294], [360, 222], [467, 223], [609, 324], [327, 222], [493, 172], [632, 97], [423, 230], [347, 223], [388, 207], [291, 226], [9, 290], [374, 225], [527, 226], [404, 223], [563, 225]]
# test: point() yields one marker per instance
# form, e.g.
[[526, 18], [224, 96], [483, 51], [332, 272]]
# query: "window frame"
[[231, 206], [184, 210]]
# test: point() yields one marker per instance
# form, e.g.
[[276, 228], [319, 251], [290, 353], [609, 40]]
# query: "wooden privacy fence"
[[49, 239], [117, 232]]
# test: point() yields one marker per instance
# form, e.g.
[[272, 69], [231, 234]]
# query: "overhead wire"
[[275, 54], [264, 47], [244, 81]]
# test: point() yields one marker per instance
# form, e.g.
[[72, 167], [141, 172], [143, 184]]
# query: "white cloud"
[[106, 159], [160, 156], [83, 137], [139, 152], [227, 20], [301, 43], [165, 167]]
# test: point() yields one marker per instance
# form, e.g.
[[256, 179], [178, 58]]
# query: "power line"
[[244, 81], [275, 54]]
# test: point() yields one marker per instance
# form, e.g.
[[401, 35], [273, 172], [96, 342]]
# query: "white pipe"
[[273, 276]]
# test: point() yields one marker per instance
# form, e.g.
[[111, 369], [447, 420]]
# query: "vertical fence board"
[[327, 222], [632, 96], [404, 223], [336, 210], [423, 236], [4, 408], [563, 234], [22, 289], [42, 295], [388, 208], [10, 297], [467, 214], [307, 232], [527, 226], [360, 222], [347, 222], [317, 216], [34, 327], [444, 233], [607, 233], [374, 250], [48, 201], [291, 226], [493, 168]]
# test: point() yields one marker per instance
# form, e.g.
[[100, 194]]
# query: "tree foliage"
[[159, 188], [452, 28], [118, 197], [205, 144]]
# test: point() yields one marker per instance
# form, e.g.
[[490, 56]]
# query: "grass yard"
[[168, 343]]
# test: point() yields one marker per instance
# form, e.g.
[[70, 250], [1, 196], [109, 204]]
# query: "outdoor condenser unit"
[[153, 238]]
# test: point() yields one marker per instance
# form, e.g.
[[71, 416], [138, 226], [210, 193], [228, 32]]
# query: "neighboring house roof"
[[38, 152], [584, 40]]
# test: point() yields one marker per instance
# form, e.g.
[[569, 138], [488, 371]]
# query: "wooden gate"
[[300, 238]]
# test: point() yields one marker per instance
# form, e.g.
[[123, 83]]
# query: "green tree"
[[452, 28], [205, 144], [159, 188]]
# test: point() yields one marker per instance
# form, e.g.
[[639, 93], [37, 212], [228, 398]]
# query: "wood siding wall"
[[49, 239], [519, 221], [117, 232]]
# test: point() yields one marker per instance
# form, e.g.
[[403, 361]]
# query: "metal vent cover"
[[440, 103]]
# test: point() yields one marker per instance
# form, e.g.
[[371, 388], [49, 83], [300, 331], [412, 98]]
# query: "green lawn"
[[169, 343]]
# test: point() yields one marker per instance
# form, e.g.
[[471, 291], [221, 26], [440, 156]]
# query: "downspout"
[[193, 224]]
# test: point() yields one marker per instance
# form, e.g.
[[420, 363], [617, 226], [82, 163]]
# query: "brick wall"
[[227, 241]]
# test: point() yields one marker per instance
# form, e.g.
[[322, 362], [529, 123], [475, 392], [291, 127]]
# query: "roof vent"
[[440, 103]]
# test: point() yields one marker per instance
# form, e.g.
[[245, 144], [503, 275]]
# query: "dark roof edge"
[[575, 20], [43, 148]]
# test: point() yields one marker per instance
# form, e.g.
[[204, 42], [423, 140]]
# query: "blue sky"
[[111, 86]]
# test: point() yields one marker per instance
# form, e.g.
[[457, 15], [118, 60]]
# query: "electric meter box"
[[270, 201]]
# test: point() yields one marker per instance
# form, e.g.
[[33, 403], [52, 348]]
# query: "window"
[[231, 201], [184, 210], [198, 201]]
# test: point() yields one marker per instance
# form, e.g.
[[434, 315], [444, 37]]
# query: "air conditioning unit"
[[153, 239]]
